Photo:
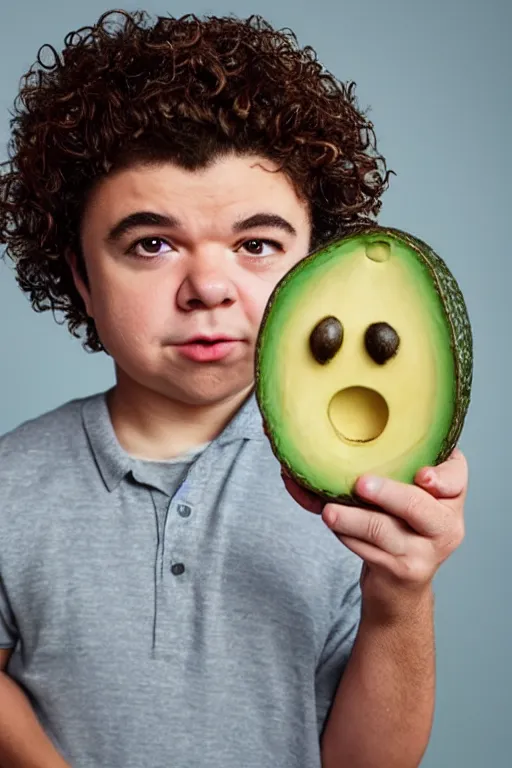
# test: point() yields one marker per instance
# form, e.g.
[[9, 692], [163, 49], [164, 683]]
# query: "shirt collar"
[[111, 459], [114, 462], [246, 424]]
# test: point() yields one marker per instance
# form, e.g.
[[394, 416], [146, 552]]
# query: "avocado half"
[[364, 363]]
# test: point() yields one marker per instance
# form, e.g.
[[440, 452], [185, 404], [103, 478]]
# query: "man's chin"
[[204, 386], [189, 383], [209, 396]]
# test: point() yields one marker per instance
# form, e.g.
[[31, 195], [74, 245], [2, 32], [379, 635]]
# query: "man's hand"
[[404, 542]]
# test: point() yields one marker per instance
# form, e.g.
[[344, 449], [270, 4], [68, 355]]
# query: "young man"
[[164, 599]]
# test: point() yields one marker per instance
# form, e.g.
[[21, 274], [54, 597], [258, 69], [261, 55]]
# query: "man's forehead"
[[238, 189]]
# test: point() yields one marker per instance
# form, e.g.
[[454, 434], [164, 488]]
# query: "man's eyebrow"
[[141, 219], [264, 220]]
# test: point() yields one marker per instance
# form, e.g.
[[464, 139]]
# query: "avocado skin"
[[461, 337]]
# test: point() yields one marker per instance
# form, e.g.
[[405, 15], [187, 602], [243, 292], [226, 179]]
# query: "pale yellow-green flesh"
[[408, 403]]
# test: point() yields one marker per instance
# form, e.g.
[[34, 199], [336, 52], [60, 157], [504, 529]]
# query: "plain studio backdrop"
[[436, 75]]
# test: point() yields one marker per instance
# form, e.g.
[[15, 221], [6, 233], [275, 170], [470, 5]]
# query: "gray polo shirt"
[[169, 614]]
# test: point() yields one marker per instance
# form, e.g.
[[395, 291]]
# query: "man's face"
[[181, 265]]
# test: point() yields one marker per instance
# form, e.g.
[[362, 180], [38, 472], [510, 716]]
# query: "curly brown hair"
[[185, 90]]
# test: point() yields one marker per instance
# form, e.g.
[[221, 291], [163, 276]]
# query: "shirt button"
[[184, 510], [177, 569]]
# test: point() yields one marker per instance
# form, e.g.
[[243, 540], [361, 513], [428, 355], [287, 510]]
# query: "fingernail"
[[330, 516], [429, 478], [372, 484]]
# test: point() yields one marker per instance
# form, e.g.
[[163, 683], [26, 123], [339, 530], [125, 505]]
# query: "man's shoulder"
[[37, 443]]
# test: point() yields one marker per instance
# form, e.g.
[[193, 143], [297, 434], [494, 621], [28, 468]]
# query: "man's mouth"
[[209, 341], [208, 349]]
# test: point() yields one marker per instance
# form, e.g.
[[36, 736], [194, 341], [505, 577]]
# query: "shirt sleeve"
[[8, 630], [337, 650]]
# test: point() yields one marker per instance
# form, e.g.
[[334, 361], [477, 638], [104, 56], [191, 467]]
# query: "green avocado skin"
[[456, 314]]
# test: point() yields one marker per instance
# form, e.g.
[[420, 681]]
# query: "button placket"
[[189, 494], [176, 567], [183, 507]]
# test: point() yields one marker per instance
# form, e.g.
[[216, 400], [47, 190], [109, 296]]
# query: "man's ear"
[[77, 268]]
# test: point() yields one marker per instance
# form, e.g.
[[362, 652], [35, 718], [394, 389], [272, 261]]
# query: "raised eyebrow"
[[141, 219], [264, 220]]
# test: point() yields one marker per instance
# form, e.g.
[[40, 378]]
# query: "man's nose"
[[207, 283]]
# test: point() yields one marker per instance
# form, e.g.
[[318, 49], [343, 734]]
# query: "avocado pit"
[[358, 414], [326, 339], [382, 342]]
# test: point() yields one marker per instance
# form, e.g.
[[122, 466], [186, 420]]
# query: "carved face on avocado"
[[364, 363], [357, 414]]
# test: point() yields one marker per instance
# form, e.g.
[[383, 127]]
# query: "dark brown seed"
[[382, 342], [326, 339]]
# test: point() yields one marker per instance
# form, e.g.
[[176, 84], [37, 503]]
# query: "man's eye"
[[149, 247], [261, 247]]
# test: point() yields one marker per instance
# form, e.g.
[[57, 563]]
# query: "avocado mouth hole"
[[358, 414]]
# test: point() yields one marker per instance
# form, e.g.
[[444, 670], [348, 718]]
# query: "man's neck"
[[151, 426]]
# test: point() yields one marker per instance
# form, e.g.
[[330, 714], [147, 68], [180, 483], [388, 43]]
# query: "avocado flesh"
[[330, 423]]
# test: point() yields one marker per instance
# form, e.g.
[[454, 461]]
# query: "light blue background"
[[437, 76]]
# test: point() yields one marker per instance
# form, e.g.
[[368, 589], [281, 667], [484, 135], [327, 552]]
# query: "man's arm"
[[23, 743], [383, 710]]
